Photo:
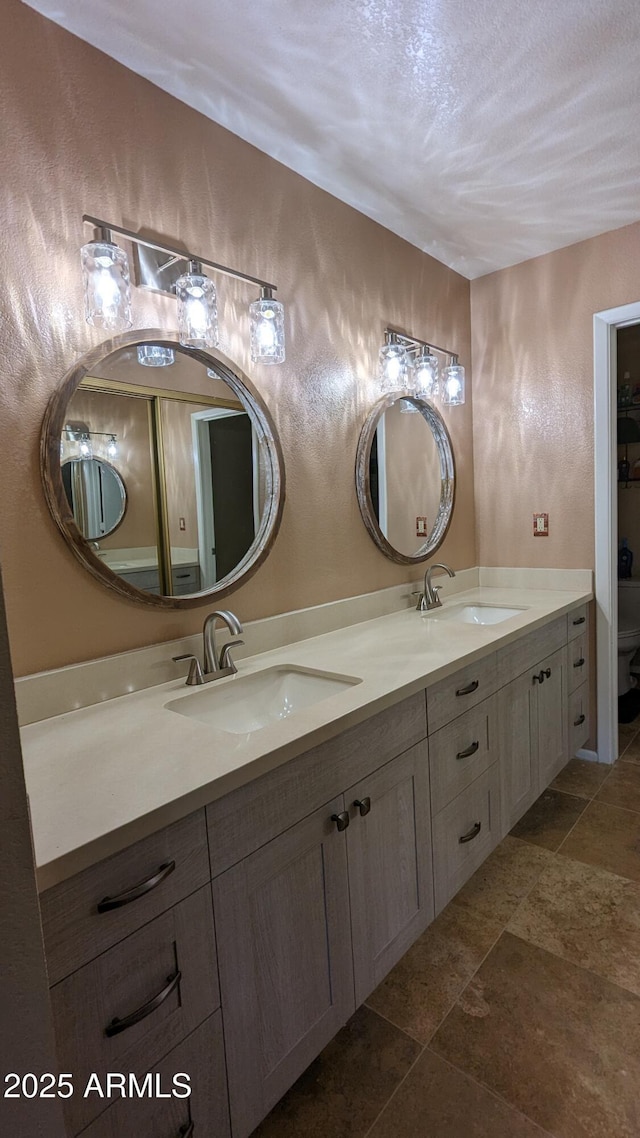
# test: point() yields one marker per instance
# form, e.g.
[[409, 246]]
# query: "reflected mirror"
[[188, 436], [405, 478]]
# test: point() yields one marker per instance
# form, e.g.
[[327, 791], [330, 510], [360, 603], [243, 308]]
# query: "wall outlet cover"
[[421, 527], [540, 525]]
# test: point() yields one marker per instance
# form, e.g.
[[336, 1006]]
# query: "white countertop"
[[105, 776]]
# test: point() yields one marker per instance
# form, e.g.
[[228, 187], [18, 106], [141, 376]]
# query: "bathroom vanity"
[[259, 887]]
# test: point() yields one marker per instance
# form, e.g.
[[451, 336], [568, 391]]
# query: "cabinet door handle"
[[579, 721], [580, 620], [139, 890], [538, 678], [469, 688], [118, 1025], [341, 820], [473, 833], [469, 751], [187, 1130], [579, 663], [547, 672], [363, 805], [181, 576]]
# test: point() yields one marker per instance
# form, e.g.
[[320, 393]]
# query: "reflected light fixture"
[[84, 447], [175, 272], [394, 365], [266, 317], [112, 447], [107, 283], [421, 378], [155, 355], [453, 383]]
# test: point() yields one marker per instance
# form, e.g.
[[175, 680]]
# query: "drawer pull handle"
[[187, 1130], [539, 678], [363, 805], [118, 1025], [341, 820], [473, 833], [580, 620], [579, 721], [139, 890], [181, 576], [473, 686], [579, 663], [469, 751]]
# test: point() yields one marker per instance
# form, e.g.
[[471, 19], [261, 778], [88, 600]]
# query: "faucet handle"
[[225, 655], [195, 671]]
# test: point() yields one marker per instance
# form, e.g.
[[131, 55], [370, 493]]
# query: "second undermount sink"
[[476, 614], [248, 703]]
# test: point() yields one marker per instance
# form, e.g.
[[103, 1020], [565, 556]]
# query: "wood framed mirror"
[[188, 435], [405, 478]]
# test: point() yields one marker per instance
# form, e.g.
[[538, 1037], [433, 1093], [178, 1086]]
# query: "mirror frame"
[[51, 469], [439, 529], [110, 466]]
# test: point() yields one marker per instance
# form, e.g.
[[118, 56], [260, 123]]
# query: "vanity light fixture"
[[163, 268], [112, 447], [78, 432], [421, 378], [155, 355], [84, 446]]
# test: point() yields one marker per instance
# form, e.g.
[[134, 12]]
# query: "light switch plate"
[[540, 525], [421, 527]]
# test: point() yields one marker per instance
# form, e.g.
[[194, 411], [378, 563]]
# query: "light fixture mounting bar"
[[173, 252], [415, 342]]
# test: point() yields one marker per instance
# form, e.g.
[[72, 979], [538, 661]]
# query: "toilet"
[[628, 631]]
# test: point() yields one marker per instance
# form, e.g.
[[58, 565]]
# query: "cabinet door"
[[284, 950], [390, 871], [550, 720], [518, 764], [464, 834]]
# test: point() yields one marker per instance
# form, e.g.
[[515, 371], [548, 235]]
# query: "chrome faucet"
[[216, 664], [429, 598]]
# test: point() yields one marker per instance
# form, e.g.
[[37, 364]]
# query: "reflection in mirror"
[[96, 495], [196, 451], [405, 478]]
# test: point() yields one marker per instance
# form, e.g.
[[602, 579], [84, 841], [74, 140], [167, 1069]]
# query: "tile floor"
[[517, 1013]]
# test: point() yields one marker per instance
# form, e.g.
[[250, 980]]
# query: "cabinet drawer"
[[578, 622], [524, 653], [461, 751], [449, 698], [185, 579], [578, 664], [201, 1057], [162, 979], [147, 579], [75, 930], [251, 816], [579, 730], [464, 833]]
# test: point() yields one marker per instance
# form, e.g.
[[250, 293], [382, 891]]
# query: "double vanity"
[[229, 870]]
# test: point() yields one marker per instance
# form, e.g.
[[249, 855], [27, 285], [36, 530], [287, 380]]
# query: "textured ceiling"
[[483, 131]]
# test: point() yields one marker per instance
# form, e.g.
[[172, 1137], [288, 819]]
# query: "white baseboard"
[[590, 756]]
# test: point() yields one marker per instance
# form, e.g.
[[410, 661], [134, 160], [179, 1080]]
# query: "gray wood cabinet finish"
[[452, 696], [249, 817], [525, 652], [75, 932], [464, 833], [550, 722], [390, 869], [123, 980], [579, 723], [459, 752], [578, 622], [286, 972], [517, 747], [201, 1056], [578, 652]]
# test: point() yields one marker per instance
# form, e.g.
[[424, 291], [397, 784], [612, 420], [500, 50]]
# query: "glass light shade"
[[85, 448], [154, 355], [266, 317], [394, 369], [197, 311], [107, 286], [425, 372], [407, 408], [453, 385], [112, 447]]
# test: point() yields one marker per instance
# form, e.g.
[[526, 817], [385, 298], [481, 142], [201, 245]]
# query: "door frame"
[[605, 328]]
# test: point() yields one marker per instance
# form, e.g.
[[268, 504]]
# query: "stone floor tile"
[[629, 749], [343, 1091], [423, 987], [549, 820], [499, 885], [581, 778], [608, 837], [438, 1101], [622, 787], [559, 1043], [586, 915]]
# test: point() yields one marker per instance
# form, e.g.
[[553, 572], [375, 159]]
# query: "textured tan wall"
[[86, 135], [533, 397]]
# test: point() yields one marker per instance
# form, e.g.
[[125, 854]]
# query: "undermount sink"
[[247, 703], [476, 614]]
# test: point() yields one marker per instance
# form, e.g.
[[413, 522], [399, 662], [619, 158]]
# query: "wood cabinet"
[[550, 717], [464, 834]]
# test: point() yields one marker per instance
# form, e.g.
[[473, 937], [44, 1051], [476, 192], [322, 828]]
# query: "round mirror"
[[189, 437], [405, 478], [96, 494]]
